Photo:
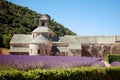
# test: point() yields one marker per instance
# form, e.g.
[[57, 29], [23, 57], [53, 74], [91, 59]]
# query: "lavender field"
[[25, 62], [115, 63]]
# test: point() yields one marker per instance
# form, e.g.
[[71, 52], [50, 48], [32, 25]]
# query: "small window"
[[30, 51], [102, 45], [43, 24], [38, 51], [111, 45], [46, 51], [33, 36], [90, 46]]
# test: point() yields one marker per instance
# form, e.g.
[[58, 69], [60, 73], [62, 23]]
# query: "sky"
[[84, 17]]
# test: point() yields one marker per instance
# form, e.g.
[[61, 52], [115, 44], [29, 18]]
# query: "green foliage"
[[112, 73], [113, 57], [5, 68], [83, 73], [11, 75], [16, 19]]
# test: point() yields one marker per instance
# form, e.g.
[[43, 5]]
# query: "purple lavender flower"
[[26, 62], [115, 63]]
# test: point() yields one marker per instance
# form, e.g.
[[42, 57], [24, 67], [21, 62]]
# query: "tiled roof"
[[88, 39], [21, 38], [19, 49], [60, 44], [63, 49], [42, 30], [74, 46], [44, 17], [40, 39]]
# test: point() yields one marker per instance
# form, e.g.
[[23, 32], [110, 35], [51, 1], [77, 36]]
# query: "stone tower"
[[41, 37], [43, 21]]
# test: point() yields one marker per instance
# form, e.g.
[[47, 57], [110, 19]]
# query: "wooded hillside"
[[15, 19]]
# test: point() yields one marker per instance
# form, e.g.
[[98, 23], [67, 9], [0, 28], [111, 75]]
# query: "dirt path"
[[106, 63]]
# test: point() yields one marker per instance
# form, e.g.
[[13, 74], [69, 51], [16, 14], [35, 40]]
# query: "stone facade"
[[41, 42]]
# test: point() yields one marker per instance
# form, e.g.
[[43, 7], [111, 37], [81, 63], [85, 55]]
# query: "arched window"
[[102, 46], [91, 46], [30, 51], [111, 46], [38, 51], [43, 23], [46, 51], [33, 36]]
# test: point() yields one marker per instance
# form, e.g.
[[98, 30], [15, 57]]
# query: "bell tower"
[[43, 21]]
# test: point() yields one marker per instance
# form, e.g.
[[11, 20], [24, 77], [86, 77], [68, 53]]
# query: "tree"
[[15, 19]]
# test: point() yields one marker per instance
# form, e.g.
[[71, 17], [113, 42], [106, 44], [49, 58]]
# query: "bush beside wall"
[[83, 73], [113, 57]]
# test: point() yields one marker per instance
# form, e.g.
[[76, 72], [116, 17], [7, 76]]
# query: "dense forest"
[[15, 19]]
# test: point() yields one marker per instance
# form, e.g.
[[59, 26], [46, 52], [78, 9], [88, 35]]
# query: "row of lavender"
[[115, 63], [25, 62]]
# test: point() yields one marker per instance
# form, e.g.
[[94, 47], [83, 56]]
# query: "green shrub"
[[112, 73], [115, 57], [82, 73], [11, 75]]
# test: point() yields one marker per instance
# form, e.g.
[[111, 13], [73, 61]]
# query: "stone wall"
[[99, 50], [74, 52], [45, 49], [106, 39], [4, 51]]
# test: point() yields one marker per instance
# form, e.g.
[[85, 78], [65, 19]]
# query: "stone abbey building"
[[42, 42]]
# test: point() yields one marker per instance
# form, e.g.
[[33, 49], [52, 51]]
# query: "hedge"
[[83, 73], [113, 57]]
